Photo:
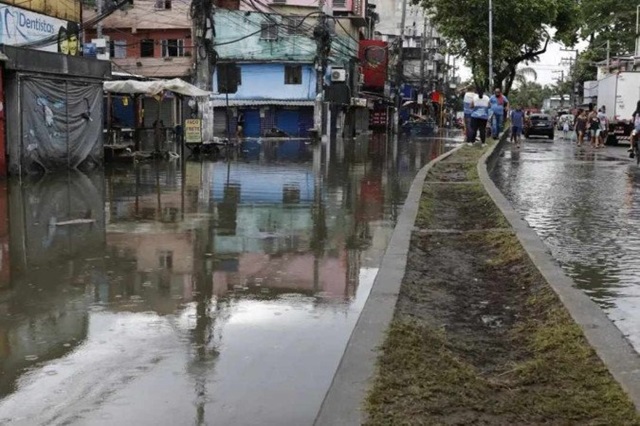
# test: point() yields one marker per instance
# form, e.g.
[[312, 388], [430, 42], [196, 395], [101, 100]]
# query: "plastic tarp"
[[155, 87], [61, 125]]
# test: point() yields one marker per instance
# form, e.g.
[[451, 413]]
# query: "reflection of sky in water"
[[586, 210], [211, 293]]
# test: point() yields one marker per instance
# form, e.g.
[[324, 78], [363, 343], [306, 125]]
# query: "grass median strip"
[[478, 336]]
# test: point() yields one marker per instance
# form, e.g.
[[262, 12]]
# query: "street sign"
[[193, 131]]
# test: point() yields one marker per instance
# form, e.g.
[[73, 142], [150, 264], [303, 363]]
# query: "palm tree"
[[523, 75]]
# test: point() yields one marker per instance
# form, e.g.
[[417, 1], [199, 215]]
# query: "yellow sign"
[[69, 10], [193, 131]]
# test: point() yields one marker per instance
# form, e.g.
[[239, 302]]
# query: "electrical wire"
[[54, 39]]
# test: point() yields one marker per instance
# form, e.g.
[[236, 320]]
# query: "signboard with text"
[[193, 131], [21, 27]]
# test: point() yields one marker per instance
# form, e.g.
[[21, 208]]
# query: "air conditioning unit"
[[338, 76]]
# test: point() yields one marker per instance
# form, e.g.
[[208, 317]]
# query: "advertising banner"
[[19, 27]]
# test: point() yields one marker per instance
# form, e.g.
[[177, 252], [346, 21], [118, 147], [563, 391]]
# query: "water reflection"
[[204, 290]]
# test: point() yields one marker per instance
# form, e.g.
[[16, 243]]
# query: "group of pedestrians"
[[479, 108], [593, 126]]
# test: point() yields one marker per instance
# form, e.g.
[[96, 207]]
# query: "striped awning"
[[261, 102]]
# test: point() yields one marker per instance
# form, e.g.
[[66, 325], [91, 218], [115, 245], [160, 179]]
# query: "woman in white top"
[[479, 115]]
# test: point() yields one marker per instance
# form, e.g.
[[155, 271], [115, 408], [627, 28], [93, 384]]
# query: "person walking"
[[594, 129], [479, 116], [581, 126], [604, 127], [565, 129], [499, 106], [636, 131], [517, 125], [466, 104]]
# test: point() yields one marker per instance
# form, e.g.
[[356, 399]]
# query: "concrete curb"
[[609, 343], [343, 401]]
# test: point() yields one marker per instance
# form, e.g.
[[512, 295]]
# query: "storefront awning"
[[153, 88]]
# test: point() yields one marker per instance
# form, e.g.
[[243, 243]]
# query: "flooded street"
[[585, 205], [206, 292]]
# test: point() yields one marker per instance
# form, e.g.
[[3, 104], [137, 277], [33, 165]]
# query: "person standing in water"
[[517, 125]]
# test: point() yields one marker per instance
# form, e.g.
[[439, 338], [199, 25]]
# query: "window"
[[147, 48], [294, 25], [269, 31], [163, 4], [172, 48], [118, 49], [292, 74], [165, 259]]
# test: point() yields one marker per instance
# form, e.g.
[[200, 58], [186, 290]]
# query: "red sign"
[[374, 59]]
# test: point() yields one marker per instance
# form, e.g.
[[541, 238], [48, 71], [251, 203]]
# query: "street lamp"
[[491, 44], [635, 53]]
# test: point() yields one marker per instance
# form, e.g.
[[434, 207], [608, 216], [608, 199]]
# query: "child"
[[565, 130]]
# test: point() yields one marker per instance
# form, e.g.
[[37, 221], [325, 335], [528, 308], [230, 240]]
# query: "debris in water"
[[75, 222]]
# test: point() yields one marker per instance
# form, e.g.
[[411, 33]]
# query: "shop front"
[[54, 111]]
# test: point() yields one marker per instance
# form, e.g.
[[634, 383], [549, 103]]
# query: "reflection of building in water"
[[157, 233], [56, 236], [274, 231]]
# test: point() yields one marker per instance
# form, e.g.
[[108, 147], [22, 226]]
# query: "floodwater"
[[193, 293], [585, 206]]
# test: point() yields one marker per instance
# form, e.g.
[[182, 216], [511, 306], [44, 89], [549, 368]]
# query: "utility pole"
[[323, 43], [572, 62], [423, 49], [99, 4], [561, 81], [400, 65]]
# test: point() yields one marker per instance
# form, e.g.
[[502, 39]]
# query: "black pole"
[[228, 119]]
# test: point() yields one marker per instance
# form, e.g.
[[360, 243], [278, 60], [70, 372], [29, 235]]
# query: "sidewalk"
[[478, 336]]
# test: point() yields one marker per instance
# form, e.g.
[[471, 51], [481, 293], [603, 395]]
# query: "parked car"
[[540, 125]]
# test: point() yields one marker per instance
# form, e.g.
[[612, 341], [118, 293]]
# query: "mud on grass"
[[479, 337], [460, 207]]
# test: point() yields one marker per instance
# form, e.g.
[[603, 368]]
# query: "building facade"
[[148, 38], [272, 45]]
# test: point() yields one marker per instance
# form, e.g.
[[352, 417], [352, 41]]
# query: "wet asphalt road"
[[217, 293], [585, 205]]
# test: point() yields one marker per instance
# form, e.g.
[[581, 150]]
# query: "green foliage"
[[520, 32], [605, 20]]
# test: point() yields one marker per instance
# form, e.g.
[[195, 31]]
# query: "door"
[[287, 120], [251, 123]]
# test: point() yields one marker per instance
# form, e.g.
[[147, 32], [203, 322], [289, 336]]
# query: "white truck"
[[619, 93]]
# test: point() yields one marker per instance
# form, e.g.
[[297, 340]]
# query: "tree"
[[523, 75], [531, 95], [522, 32], [605, 20]]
